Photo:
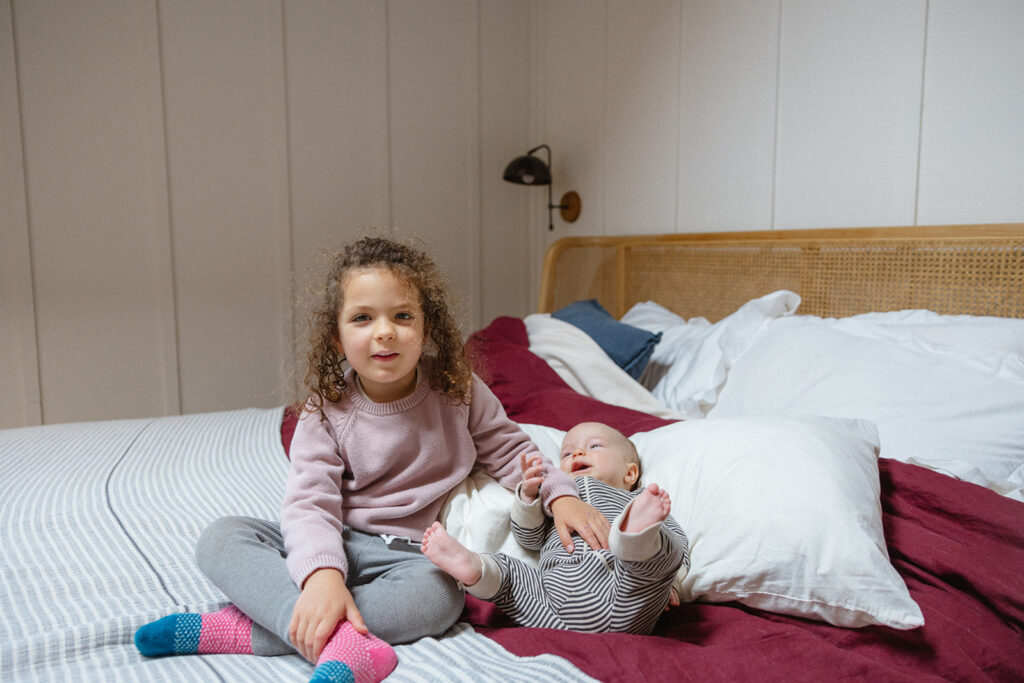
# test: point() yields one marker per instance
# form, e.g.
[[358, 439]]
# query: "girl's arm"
[[500, 445], [311, 522]]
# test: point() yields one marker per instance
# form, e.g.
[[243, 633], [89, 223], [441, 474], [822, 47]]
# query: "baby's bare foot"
[[650, 507], [447, 554]]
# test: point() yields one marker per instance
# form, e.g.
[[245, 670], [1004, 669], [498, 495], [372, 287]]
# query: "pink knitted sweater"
[[387, 468]]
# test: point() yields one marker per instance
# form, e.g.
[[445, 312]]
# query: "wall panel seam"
[[778, 105], [172, 357], [920, 119], [174, 300], [33, 399]]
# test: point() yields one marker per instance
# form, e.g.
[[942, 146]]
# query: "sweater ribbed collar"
[[362, 402]]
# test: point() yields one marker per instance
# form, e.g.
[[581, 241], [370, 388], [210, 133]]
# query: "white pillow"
[[990, 344], [653, 317], [961, 413], [948, 333], [689, 364], [782, 514]]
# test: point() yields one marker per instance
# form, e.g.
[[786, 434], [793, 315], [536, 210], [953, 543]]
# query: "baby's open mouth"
[[579, 465]]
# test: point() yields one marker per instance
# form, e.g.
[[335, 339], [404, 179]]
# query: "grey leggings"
[[401, 595]]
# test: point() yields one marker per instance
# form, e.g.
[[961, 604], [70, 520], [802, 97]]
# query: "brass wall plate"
[[571, 206]]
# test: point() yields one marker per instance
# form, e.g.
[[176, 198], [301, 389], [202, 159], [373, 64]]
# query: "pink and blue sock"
[[228, 631], [348, 656], [351, 657]]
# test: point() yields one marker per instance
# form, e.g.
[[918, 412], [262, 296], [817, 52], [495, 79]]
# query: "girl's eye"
[[362, 317], [404, 316]]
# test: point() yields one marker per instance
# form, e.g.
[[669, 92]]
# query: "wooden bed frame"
[[950, 269]]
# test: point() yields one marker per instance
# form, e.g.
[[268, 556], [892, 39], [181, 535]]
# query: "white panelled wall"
[[167, 167], [709, 115]]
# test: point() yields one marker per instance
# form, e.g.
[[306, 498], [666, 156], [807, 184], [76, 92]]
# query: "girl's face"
[[381, 332]]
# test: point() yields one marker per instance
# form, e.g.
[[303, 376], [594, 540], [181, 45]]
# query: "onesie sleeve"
[[529, 525], [311, 514], [663, 544]]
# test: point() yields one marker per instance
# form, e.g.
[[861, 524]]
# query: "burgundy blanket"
[[958, 546]]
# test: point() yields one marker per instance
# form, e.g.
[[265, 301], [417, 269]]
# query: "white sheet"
[[585, 367], [690, 363]]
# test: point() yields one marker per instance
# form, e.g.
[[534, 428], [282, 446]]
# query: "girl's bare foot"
[[650, 507], [447, 554]]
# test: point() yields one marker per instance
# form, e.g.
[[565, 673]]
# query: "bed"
[[824, 544]]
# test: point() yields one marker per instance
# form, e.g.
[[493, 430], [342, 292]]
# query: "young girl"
[[377, 449]]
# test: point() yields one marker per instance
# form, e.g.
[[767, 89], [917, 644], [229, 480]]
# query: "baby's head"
[[596, 450]]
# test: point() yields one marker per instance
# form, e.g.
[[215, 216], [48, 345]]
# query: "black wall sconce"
[[531, 170]]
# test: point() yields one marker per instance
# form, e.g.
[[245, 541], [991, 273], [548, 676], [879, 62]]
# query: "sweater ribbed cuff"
[[556, 492], [301, 570]]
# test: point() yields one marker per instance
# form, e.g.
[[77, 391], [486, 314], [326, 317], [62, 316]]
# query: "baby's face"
[[596, 450]]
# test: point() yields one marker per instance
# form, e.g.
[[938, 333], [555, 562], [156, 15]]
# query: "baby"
[[622, 589]]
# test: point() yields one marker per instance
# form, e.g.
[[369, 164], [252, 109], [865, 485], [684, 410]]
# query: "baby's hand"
[[673, 599], [533, 476]]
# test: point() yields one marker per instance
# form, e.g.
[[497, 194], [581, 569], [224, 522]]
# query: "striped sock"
[[228, 631], [351, 657]]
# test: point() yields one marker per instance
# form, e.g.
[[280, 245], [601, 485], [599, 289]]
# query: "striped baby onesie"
[[623, 589]]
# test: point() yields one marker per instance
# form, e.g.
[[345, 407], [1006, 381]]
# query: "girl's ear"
[[632, 474], [336, 338]]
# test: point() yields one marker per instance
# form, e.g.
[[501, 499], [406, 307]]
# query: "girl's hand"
[[533, 476], [324, 602], [572, 514]]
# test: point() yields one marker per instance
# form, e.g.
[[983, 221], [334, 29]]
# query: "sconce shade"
[[528, 170]]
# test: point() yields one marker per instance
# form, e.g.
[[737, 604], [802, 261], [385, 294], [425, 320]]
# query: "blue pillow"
[[630, 347]]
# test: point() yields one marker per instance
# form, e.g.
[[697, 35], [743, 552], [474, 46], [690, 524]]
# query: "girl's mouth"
[[385, 356]]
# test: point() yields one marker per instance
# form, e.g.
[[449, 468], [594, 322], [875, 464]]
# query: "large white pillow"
[[689, 364], [963, 335], [989, 344], [950, 408], [782, 514]]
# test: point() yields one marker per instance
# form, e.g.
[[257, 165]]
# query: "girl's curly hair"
[[448, 369]]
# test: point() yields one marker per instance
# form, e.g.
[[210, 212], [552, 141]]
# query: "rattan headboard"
[[950, 269]]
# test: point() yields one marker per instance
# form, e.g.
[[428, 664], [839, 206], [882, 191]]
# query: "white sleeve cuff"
[[637, 546], [527, 515]]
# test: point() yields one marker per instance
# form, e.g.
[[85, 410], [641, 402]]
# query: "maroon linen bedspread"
[[958, 546]]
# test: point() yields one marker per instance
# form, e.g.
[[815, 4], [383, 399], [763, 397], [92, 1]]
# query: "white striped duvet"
[[97, 527]]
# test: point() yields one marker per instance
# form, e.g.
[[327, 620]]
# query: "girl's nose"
[[384, 329]]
